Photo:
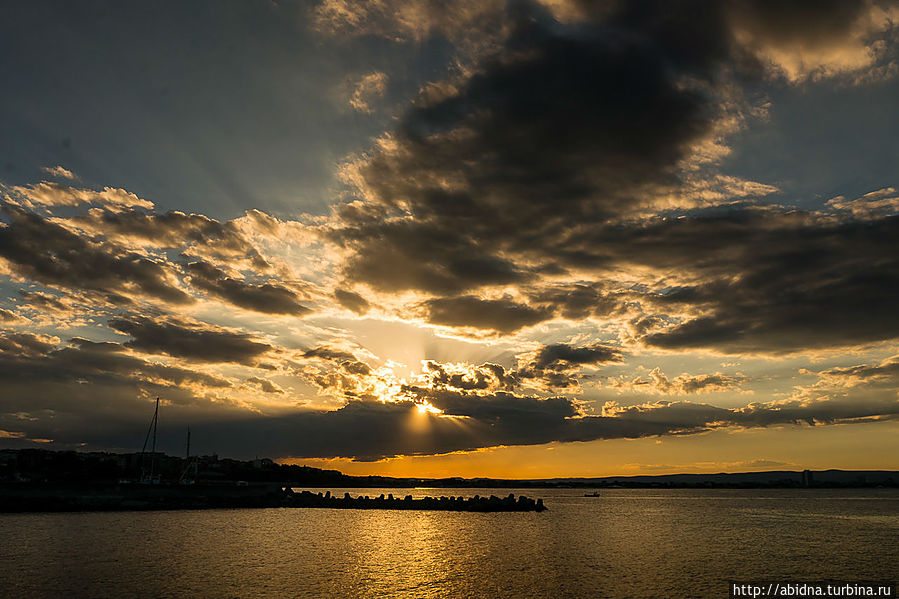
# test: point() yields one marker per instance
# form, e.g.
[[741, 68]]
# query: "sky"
[[519, 239]]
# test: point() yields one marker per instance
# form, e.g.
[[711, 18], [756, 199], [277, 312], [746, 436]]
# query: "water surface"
[[625, 543]]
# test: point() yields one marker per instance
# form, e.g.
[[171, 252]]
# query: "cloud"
[[875, 204], [27, 357], [369, 429], [471, 414], [547, 368], [814, 40], [793, 39], [7, 316], [366, 90], [44, 301], [884, 374], [43, 251], [684, 384], [408, 21], [564, 172], [567, 128], [26, 344], [352, 301], [550, 165], [581, 300], [561, 355], [558, 365], [500, 315], [329, 353], [58, 171], [467, 377], [48, 193], [268, 298], [171, 229], [265, 385], [768, 281], [190, 340]]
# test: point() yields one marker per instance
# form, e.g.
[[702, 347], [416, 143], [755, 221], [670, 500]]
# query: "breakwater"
[[18, 497], [456, 504]]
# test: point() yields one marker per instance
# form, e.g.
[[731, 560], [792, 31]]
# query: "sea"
[[624, 543]]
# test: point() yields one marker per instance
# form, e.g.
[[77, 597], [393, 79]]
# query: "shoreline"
[[24, 497]]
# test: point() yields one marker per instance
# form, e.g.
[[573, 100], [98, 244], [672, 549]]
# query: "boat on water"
[[593, 494]]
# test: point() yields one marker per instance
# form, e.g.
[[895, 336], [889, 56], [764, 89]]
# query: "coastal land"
[[40, 480]]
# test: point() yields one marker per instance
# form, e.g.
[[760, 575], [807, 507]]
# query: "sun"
[[427, 408]]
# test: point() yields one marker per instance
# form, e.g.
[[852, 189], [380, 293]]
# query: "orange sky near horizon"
[[858, 446]]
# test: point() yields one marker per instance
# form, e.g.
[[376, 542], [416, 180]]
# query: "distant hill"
[[767, 478], [38, 465]]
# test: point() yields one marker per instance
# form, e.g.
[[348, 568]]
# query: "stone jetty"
[[18, 497], [452, 504]]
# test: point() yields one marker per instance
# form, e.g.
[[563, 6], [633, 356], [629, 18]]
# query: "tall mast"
[[185, 476], [153, 425], [153, 452]]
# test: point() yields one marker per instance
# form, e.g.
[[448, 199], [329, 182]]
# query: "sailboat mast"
[[155, 423], [153, 452], [143, 450], [185, 476]]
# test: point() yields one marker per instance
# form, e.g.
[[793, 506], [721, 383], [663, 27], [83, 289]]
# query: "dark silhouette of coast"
[[50, 497], [49, 481], [38, 465], [40, 480]]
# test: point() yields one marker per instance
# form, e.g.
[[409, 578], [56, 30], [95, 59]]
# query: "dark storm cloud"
[[747, 34], [803, 19], [268, 298], [171, 229], [580, 301], [561, 355], [754, 280], [566, 125], [364, 428], [541, 161], [193, 341], [774, 281], [414, 254], [24, 344], [563, 127], [502, 315], [43, 301], [48, 253], [352, 301], [497, 407], [27, 357], [329, 353], [558, 366], [372, 430], [266, 385]]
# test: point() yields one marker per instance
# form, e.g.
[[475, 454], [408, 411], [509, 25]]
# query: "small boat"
[[593, 494]]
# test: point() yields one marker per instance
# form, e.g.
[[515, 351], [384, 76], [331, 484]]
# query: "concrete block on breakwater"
[[455, 504], [17, 497]]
